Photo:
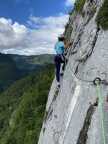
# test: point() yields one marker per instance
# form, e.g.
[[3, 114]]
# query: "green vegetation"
[[79, 4], [102, 17], [8, 71], [30, 62], [22, 108], [14, 67], [41, 59]]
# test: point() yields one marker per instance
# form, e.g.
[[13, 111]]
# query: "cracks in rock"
[[82, 139], [76, 70], [74, 50], [93, 44], [68, 29], [90, 10], [48, 114], [84, 59]]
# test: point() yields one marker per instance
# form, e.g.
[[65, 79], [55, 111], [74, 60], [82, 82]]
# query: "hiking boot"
[[61, 74], [107, 99], [58, 84], [97, 101]]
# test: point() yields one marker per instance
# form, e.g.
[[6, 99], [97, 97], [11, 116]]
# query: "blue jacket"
[[59, 47]]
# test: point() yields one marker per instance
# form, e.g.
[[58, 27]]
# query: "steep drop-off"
[[22, 108], [74, 115], [8, 71], [14, 67]]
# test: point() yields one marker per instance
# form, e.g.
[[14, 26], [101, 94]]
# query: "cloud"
[[38, 38], [69, 3], [48, 22], [11, 34]]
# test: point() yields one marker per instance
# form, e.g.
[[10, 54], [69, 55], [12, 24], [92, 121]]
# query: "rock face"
[[74, 115]]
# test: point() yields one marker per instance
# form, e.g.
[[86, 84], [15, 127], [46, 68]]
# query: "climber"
[[60, 57], [107, 98]]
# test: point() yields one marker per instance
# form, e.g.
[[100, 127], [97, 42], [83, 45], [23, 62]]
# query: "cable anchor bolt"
[[97, 81]]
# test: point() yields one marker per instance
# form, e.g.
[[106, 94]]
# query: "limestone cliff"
[[72, 114]]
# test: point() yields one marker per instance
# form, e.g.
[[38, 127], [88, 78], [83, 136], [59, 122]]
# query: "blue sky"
[[19, 10], [31, 26]]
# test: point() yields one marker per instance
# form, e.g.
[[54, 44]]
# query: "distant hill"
[[22, 108], [8, 71], [30, 63], [14, 67]]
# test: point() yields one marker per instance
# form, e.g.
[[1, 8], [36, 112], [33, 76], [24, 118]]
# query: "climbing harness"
[[97, 82]]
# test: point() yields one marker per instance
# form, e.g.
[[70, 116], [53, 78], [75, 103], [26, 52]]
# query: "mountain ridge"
[[14, 67]]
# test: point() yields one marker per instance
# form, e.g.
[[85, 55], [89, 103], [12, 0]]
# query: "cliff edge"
[[78, 112]]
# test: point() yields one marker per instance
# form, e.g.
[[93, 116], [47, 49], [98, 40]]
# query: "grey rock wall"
[[73, 113]]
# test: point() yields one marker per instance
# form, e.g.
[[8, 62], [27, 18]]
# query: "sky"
[[31, 27]]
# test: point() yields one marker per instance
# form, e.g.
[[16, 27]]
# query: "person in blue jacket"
[[59, 57], [59, 48]]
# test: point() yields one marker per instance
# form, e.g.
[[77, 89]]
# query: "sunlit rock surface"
[[73, 114]]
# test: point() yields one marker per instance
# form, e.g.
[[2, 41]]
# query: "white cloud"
[[48, 22], [69, 3], [11, 34], [18, 39]]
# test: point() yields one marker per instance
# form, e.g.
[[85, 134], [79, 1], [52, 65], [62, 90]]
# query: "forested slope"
[[22, 108]]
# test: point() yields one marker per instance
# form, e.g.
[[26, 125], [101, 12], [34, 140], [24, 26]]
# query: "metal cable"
[[100, 97]]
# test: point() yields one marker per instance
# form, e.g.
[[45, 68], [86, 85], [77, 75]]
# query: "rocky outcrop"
[[73, 115]]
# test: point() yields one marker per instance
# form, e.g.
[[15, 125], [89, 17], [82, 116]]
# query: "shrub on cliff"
[[102, 17], [79, 4]]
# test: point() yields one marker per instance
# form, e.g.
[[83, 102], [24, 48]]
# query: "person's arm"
[[67, 44]]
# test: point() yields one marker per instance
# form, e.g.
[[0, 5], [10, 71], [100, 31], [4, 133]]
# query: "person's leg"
[[58, 71], [58, 65], [63, 64], [63, 67]]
